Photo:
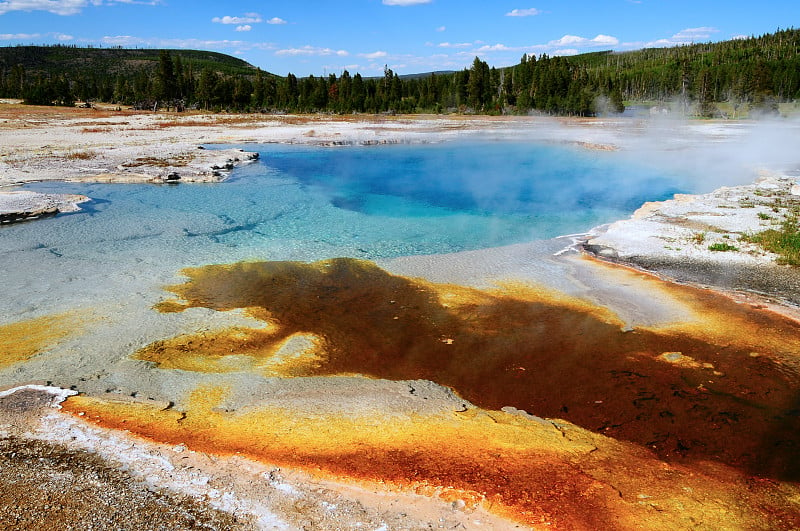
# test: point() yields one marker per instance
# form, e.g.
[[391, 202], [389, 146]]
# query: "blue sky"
[[327, 36]]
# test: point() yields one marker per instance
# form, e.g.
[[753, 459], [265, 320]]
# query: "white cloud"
[[59, 7], [18, 36], [311, 50], [454, 44], [695, 34], [605, 40], [405, 2], [530, 12], [583, 42], [63, 7], [568, 39], [63, 37], [197, 44], [374, 55], [250, 18], [244, 22], [441, 29], [496, 48], [685, 36], [566, 45]]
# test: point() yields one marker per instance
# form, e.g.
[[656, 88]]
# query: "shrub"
[[722, 247], [785, 242]]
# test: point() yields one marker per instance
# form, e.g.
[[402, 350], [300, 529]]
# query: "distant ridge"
[[60, 59], [428, 74]]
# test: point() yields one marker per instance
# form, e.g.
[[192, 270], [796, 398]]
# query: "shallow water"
[[309, 203]]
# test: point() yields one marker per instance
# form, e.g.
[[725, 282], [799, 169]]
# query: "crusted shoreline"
[[704, 239], [26, 206]]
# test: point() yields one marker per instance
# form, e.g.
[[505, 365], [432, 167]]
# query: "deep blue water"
[[302, 202]]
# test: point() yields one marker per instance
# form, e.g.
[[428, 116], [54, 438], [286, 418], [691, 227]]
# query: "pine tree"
[[166, 82]]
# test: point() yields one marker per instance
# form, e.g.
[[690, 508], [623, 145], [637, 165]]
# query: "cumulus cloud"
[[311, 50], [575, 41], [695, 34], [250, 18], [244, 22], [59, 7], [566, 45], [63, 7], [63, 37], [197, 44], [497, 48], [685, 36], [454, 44], [530, 12], [374, 55], [18, 36], [405, 2]]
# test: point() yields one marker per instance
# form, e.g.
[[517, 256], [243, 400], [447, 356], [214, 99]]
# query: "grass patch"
[[746, 203], [785, 242], [699, 237], [763, 216], [722, 247], [177, 161], [80, 155], [95, 130]]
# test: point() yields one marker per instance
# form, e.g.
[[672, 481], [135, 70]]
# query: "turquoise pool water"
[[310, 203], [307, 203]]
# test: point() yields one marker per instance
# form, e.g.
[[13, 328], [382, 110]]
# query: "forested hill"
[[757, 72], [756, 69], [59, 59]]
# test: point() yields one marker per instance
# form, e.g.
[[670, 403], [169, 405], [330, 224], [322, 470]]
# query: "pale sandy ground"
[[112, 146]]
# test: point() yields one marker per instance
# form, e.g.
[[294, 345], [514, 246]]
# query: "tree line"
[[758, 71]]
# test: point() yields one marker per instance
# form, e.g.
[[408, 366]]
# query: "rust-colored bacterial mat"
[[530, 471], [683, 391], [718, 395], [23, 340]]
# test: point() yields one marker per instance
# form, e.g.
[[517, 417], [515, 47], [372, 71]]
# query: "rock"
[[601, 251], [22, 205], [14, 217]]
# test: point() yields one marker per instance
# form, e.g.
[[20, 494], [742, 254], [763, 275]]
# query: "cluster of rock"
[[198, 166]]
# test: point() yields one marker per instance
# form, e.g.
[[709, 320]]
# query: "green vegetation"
[[758, 74], [785, 242], [724, 246]]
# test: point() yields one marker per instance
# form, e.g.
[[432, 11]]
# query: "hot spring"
[[310, 203]]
